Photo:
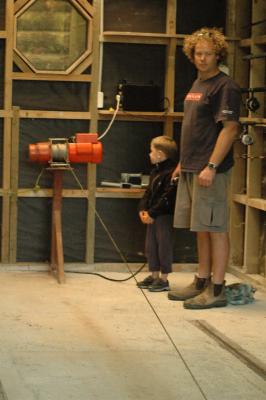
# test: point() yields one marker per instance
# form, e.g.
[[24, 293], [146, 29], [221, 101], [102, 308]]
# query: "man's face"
[[205, 58]]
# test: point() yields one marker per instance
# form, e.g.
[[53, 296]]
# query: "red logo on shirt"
[[193, 96]]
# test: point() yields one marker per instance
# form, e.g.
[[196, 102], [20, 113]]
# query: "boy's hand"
[[145, 218], [142, 215]]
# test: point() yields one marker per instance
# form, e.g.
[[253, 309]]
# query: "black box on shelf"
[[140, 97]]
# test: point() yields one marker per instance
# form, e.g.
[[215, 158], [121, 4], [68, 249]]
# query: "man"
[[209, 128]]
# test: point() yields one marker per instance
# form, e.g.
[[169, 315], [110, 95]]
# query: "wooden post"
[[57, 253], [236, 19], [90, 232], [169, 91], [7, 131], [14, 185], [254, 165]]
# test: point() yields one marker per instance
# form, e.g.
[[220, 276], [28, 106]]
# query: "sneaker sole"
[[204, 307], [159, 290], [143, 287]]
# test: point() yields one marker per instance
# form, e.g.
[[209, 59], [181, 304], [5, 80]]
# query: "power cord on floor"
[[106, 277]]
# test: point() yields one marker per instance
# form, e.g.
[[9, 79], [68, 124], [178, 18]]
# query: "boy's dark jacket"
[[159, 197]]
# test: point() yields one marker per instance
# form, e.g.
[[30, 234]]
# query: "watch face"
[[212, 166]]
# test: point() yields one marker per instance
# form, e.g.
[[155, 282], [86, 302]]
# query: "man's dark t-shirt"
[[207, 105]]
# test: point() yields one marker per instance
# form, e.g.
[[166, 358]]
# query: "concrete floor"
[[91, 339]]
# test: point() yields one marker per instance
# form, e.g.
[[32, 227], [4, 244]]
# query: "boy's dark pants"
[[159, 244]]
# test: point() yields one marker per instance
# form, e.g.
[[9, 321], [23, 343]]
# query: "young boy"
[[156, 209]]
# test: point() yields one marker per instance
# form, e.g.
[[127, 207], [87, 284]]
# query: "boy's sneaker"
[[159, 286], [146, 283]]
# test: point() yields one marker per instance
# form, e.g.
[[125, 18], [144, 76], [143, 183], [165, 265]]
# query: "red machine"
[[83, 148], [59, 153]]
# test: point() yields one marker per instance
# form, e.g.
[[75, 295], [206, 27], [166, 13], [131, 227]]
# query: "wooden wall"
[[139, 43]]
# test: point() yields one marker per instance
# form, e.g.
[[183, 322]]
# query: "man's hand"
[[176, 171], [206, 177]]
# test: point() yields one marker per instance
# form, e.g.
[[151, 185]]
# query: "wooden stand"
[[57, 254]]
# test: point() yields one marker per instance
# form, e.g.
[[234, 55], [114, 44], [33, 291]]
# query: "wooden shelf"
[[255, 40], [54, 114], [101, 192], [30, 76], [240, 198], [257, 203], [3, 35], [119, 193], [140, 115], [77, 193], [257, 121], [140, 37], [146, 38], [260, 204]]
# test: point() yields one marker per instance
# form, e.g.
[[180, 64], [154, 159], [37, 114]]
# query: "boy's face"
[[156, 155]]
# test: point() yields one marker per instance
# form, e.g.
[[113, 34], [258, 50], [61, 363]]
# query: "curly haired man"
[[209, 128]]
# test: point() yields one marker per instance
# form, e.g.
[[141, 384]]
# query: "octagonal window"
[[52, 35]]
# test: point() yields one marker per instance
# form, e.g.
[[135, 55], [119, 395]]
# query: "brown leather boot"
[[206, 299], [190, 291]]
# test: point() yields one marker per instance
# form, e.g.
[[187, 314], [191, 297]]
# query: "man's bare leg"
[[204, 254], [220, 255]]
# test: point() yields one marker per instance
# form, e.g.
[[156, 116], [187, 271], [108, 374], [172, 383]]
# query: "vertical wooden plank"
[[170, 73], [57, 251], [90, 231], [252, 239], [254, 165], [169, 88], [171, 17], [237, 227], [237, 17], [14, 185], [7, 130]]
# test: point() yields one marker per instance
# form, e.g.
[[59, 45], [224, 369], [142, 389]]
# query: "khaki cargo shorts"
[[202, 209]]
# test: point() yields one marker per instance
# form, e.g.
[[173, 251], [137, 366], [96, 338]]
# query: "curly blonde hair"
[[212, 35]]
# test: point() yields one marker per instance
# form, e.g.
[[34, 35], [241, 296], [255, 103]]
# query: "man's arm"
[[224, 142]]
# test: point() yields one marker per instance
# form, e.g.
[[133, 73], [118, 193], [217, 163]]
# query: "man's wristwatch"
[[212, 165]]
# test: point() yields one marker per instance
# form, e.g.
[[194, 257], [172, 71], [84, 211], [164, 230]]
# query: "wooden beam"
[[86, 63], [135, 38], [23, 66], [169, 91], [91, 171], [260, 39], [141, 116], [31, 192], [259, 204], [171, 17], [19, 4], [55, 114], [240, 198], [118, 193], [7, 131], [31, 76], [87, 6], [14, 185], [252, 240]]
